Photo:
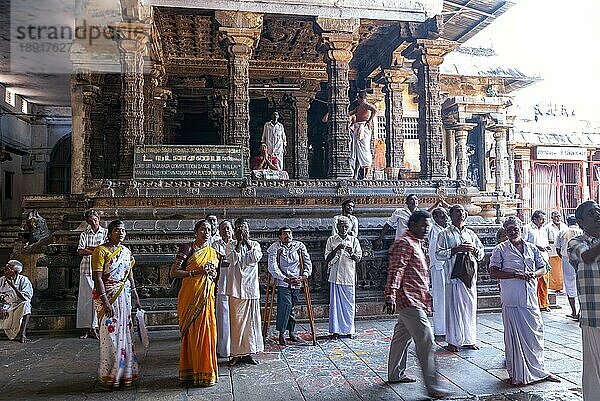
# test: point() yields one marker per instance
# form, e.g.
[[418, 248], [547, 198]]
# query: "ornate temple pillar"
[[159, 99], [83, 97], [499, 146], [301, 145], [171, 119], [241, 32], [339, 38], [428, 55], [510, 147], [394, 86], [461, 134], [131, 38], [451, 152]]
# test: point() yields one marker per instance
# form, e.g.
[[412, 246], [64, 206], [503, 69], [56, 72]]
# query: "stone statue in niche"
[[34, 228]]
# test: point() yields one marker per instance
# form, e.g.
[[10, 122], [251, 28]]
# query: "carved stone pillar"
[[500, 146], [149, 110], [160, 97], [339, 38], [394, 86], [301, 145], [241, 32], [451, 152], [510, 147], [171, 120], [131, 38], [83, 99], [462, 158], [428, 55]]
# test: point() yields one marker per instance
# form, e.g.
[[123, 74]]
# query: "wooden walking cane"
[[309, 309], [269, 300]]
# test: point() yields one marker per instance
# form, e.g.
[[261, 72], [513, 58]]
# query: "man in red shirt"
[[407, 292]]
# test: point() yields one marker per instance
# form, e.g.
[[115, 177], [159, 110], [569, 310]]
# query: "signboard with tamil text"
[[208, 162], [560, 153]]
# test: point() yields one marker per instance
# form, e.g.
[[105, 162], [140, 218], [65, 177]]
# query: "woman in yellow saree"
[[196, 266], [114, 287]]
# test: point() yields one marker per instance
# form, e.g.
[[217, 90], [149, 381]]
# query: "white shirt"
[[552, 232], [353, 230], [399, 219], [90, 238], [274, 137], [562, 241], [342, 268], [242, 280], [451, 237], [434, 263], [537, 236], [8, 296], [219, 246], [288, 263]]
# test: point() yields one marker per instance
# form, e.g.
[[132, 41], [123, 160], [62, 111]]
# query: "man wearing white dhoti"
[[436, 270], [222, 300], [584, 254], [243, 255], [569, 275], [16, 292], [290, 266], [274, 137], [361, 157], [347, 211], [518, 264], [342, 252], [89, 239], [461, 298]]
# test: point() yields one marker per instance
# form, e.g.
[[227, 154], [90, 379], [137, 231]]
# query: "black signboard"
[[214, 162]]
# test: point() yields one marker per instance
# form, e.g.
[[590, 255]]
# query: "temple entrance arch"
[[58, 177]]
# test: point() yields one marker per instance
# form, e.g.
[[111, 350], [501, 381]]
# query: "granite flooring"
[[65, 368]]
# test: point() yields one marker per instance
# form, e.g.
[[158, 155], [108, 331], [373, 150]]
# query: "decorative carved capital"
[[429, 52], [499, 130], [89, 93], [239, 19], [394, 78], [131, 37], [338, 25], [240, 31]]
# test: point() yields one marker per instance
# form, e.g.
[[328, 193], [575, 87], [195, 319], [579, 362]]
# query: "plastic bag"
[[141, 327]]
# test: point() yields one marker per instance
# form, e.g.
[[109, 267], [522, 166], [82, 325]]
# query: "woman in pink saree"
[[112, 265]]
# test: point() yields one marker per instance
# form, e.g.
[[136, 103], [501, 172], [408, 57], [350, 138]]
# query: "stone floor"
[[64, 368]]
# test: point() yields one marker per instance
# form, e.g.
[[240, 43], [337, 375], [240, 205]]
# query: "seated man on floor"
[[264, 166], [16, 292]]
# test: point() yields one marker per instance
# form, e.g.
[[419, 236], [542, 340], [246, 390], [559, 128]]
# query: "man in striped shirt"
[[407, 291], [584, 255]]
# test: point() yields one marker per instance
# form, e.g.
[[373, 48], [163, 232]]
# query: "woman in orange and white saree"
[[112, 265], [196, 266]]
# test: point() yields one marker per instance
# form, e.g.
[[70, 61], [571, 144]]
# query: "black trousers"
[[287, 298]]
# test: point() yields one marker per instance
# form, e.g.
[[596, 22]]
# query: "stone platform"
[[65, 368], [160, 214]]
